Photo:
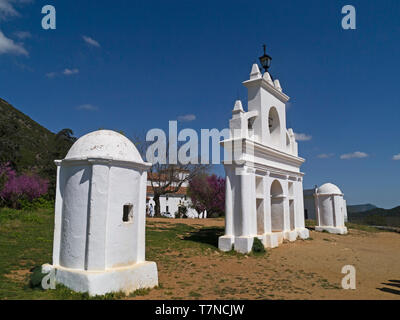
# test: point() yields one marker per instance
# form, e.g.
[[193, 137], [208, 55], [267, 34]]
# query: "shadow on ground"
[[206, 235], [392, 284]]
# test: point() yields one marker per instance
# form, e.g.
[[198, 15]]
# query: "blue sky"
[[134, 65]]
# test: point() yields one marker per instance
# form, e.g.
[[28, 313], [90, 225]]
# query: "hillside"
[[28, 145], [360, 208], [23, 141], [377, 217]]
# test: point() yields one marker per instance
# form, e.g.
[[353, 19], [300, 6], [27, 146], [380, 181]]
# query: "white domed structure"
[[330, 209], [106, 144], [99, 233], [329, 188]]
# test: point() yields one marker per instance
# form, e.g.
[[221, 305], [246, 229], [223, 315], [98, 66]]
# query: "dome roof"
[[329, 188], [105, 144]]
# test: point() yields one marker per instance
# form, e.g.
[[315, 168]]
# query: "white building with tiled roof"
[[169, 203]]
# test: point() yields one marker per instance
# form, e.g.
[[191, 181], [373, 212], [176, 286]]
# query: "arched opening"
[[276, 206], [274, 125], [260, 205]]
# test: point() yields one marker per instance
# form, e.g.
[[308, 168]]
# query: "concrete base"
[[126, 279], [270, 240], [280, 236], [243, 244], [303, 233], [291, 235], [225, 243], [336, 230]]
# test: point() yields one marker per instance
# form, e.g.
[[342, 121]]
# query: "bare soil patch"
[[305, 269]]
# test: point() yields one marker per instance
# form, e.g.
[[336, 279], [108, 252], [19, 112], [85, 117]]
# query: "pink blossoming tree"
[[15, 187], [208, 193]]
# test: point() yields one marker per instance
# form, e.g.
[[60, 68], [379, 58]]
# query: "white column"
[[317, 211], [245, 188], [96, 238], [299, 215], [228, 203], [141, 225], [286, 210], [267, 203], [253, 204], [344, 211], [58, 215]]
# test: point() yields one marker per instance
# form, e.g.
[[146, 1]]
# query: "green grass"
[[310, 223], [362, 227], [26, 242]]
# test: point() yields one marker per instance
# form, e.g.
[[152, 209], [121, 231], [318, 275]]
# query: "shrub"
[[258, 246], [38, 203], [16, 188]]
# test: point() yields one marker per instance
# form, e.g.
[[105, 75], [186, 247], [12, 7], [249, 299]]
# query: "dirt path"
[[308, 269]]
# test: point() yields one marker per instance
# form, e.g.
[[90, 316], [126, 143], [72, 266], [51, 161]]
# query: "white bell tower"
[[264, 185]]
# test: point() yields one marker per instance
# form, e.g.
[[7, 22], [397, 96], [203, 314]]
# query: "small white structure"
[[309, 204], [169, 203], [99, 233], [264, 185], [330, 209]]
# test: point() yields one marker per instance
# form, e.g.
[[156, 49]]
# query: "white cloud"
[[22, 34], [91, 41], [51, 75], [8, 46], [302, 137], [7, 7], [66, 72], [87, 107], [354, 155], [69, 72], [325, 155], [187, 118], [396, 157]]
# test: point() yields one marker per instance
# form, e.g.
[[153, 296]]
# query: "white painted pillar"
[[245, 188], [95, 256], [345, 219], [299, 199], [338, 211], [228, 203], [141, 224], [267, 203], [58, 215], [286, 210], [253, 204], [317, 211]]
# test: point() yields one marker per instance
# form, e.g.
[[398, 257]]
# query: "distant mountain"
[[28, 146], [377, 217], [360, 208]]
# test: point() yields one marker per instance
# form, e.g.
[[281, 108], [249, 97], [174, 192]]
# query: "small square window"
[[128, 213]]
